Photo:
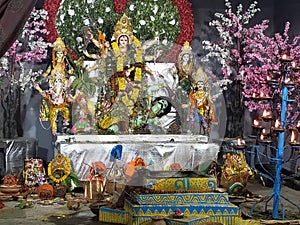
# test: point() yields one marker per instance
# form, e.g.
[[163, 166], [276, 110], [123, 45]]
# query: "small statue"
[[82, 115], [185, 67]]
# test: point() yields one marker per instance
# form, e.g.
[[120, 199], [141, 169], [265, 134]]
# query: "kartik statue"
[[201, 109]]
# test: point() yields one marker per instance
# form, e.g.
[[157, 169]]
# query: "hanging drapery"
[[13, 16]]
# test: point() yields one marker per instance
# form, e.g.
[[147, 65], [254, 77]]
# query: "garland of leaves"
[[171, 20]]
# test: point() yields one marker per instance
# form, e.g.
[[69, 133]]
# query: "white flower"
[[165, 42], [155, 9], [62, 17], [107, 9], [90, 1], [131, 7], [152, 18], [79, 39], [172, 22], [142, 22], [71, 12], [86, 22], [100, 20]]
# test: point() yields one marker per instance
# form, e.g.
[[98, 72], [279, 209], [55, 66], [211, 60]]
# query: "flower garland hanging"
[[185, 24]]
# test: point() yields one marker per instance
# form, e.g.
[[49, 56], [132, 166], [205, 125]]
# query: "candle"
[[262, 137], [256, 122], [293, 137], [91, 190], [239, 141], [277, 123], [240, 144], [261, 94], [266, 113], [284, 56], [277, 127], [287, 80], [98, 186], [268, 78], [294, 142], [85, 190]]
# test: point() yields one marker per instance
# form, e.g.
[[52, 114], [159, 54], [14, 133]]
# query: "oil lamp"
[[256, 124], [267, 116], [285, 58], [240, 144], [264, 96], [276, 127], [298, 125], [294, 142]]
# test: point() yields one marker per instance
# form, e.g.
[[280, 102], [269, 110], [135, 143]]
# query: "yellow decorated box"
[[180, 198], [109, 215], [216, 212], [179, 182]]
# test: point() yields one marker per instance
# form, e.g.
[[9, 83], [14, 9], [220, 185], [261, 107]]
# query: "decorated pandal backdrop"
[[125, 89], [125, 96]]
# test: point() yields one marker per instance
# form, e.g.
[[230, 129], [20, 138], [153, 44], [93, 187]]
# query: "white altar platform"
[[157, 151]]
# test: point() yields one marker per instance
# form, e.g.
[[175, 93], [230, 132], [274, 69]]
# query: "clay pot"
[[45, 192], [60, 191]]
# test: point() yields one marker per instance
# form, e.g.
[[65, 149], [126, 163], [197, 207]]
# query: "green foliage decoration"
[[150, 18]]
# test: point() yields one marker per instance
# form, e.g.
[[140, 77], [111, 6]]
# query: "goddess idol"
[[123, 88]]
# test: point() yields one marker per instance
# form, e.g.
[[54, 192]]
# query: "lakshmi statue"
[[201, 109], [59, 65], [58, 97], [185, 67]]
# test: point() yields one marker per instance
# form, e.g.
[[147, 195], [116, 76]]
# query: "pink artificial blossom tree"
[[233, 30], [19, 70], [262, 55]]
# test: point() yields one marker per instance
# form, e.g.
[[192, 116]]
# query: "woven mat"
[[11, 213]]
